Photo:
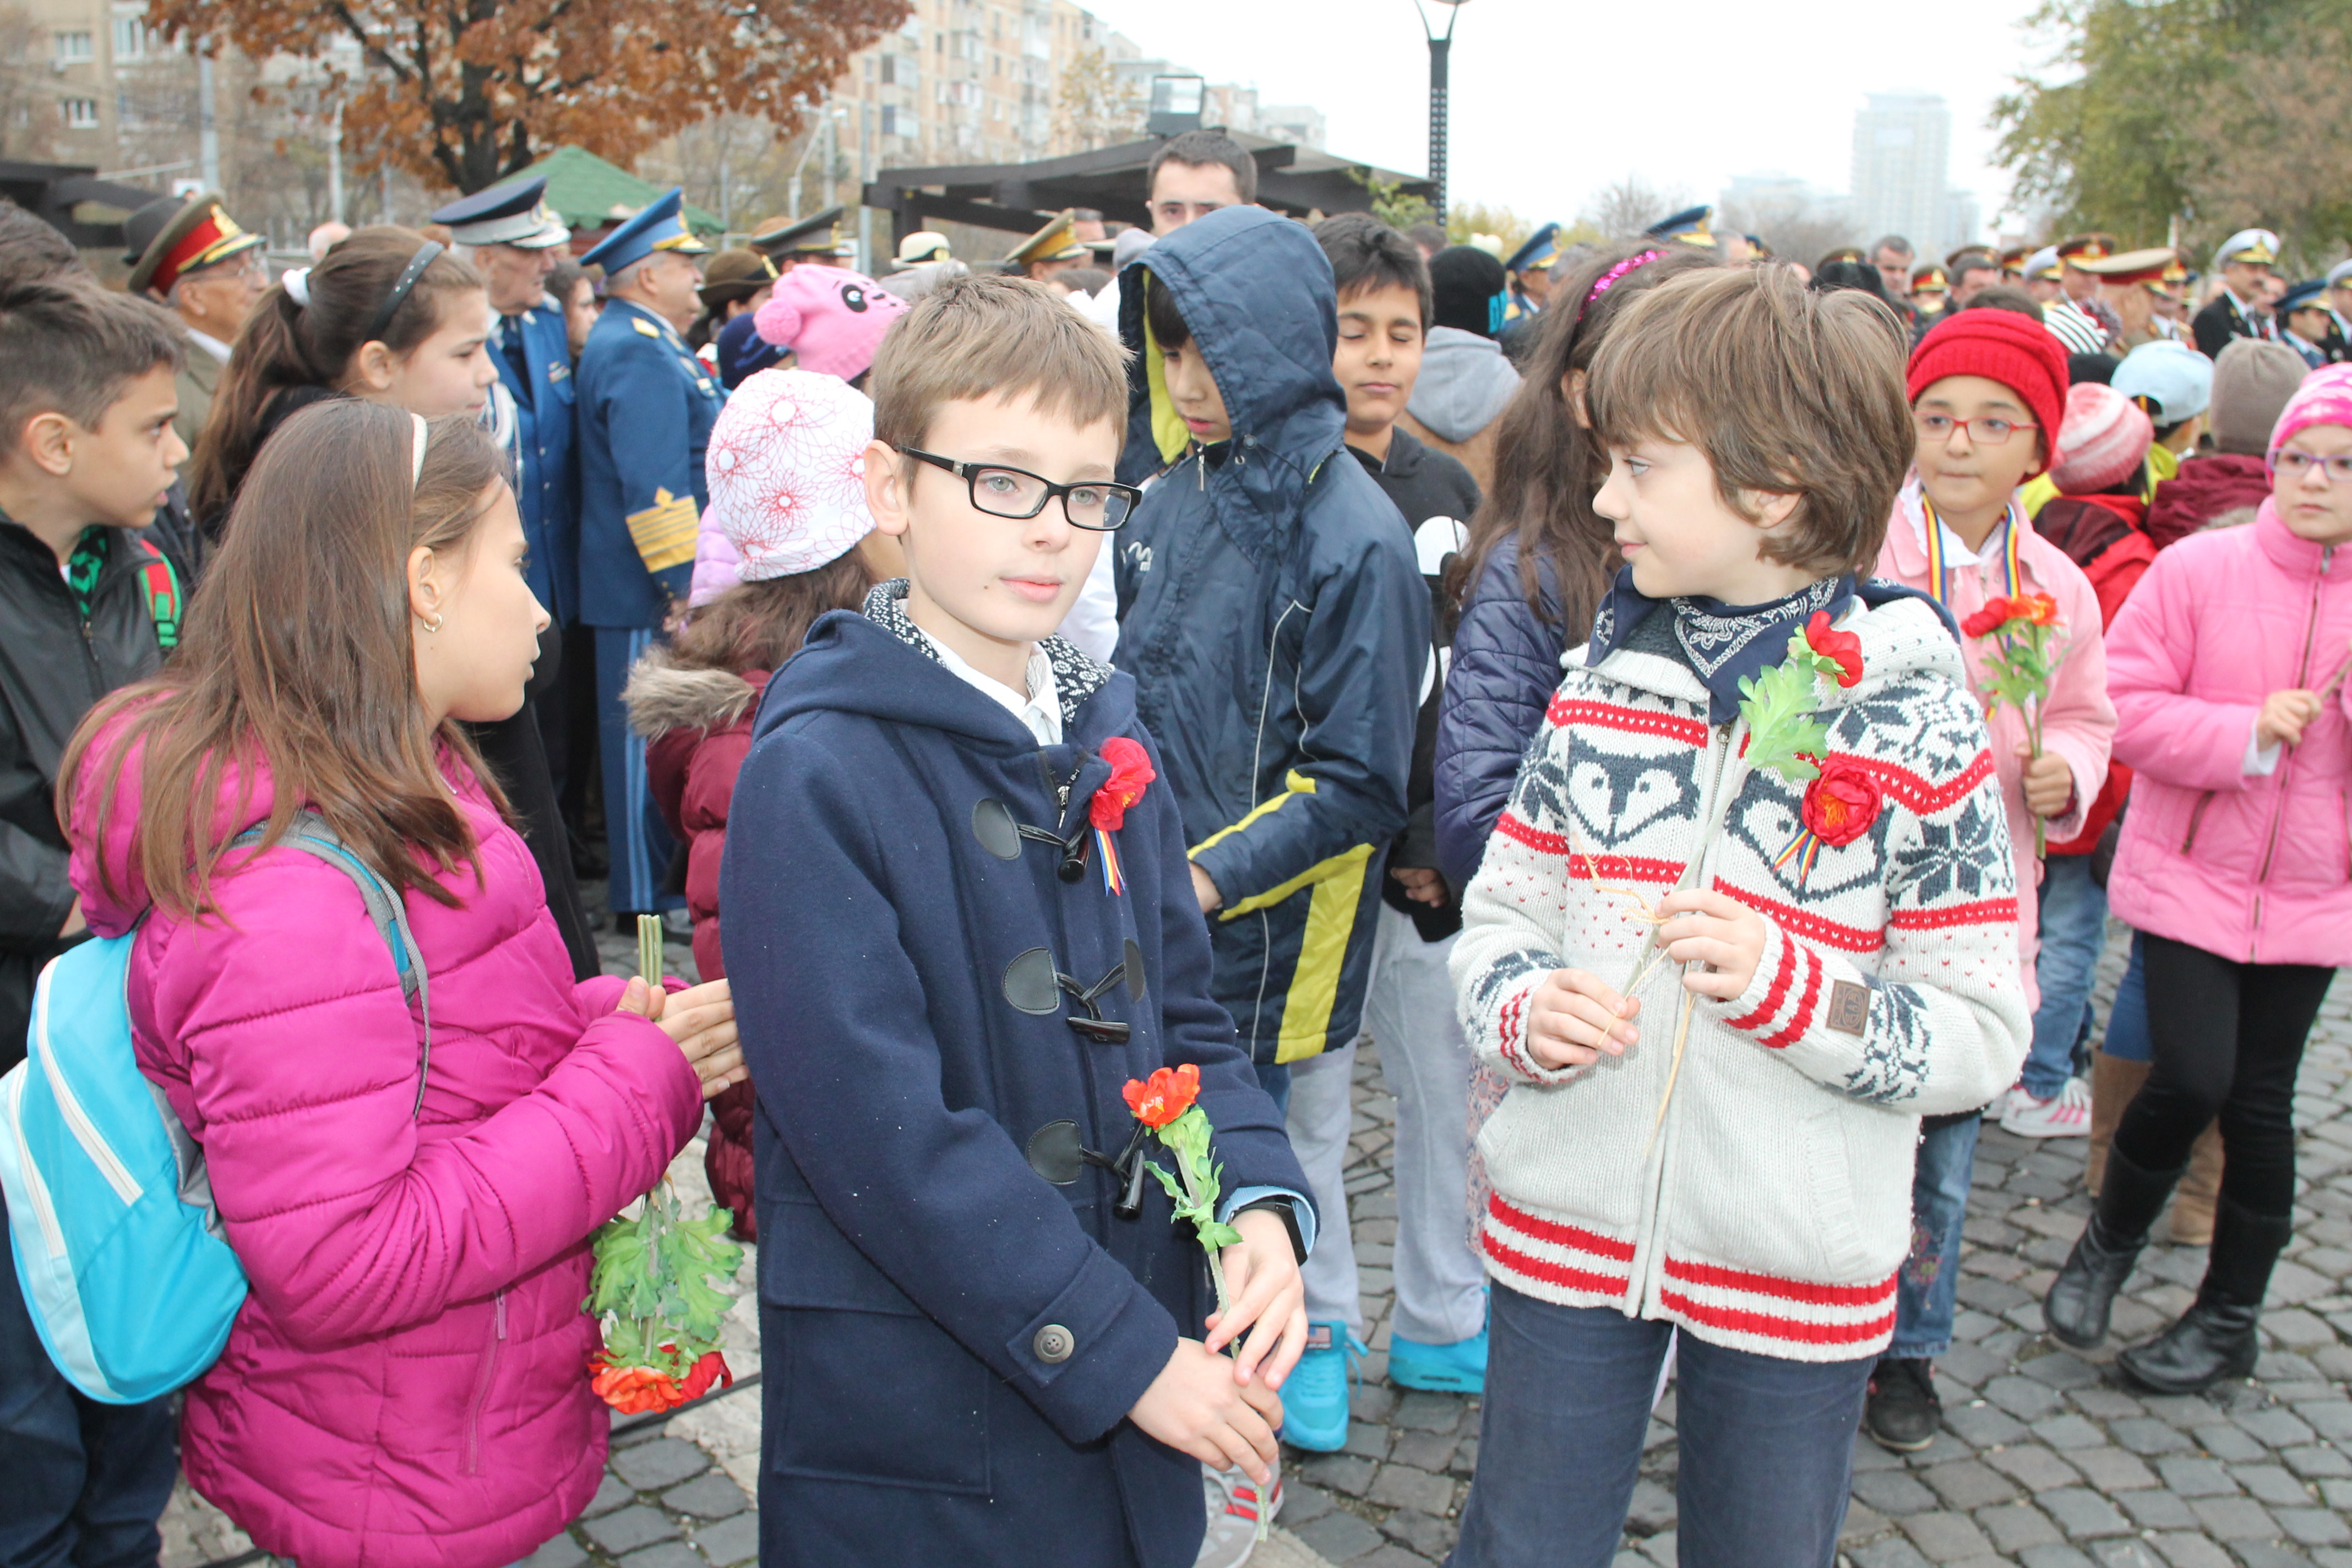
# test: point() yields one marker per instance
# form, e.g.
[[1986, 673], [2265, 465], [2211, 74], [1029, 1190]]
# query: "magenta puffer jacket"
[[2255, 868], [407, 1383]]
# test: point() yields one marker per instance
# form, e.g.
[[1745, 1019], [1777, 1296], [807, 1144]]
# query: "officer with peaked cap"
[[2308, 326], [1528, 274], [514, 240], [646, 406], [788, 242], [1931, 298], [192, 256], [1692, 226], [2243, 260], [922, 248], [2122, 280], [1052, 249]]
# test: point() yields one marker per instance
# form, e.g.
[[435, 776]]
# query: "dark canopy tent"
[[1018, 197], [86, 209]]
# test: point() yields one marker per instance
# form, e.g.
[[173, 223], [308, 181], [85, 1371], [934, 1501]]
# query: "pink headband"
[[1608, 279]]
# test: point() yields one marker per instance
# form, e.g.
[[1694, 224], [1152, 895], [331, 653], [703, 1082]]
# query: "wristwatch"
[[1288, 1209]]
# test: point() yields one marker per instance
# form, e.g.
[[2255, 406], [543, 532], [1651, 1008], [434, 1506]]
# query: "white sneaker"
[[2065, 1114], [1233, 1517]]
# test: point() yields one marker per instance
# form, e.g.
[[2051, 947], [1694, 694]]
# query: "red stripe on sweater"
[[1557, 1234], [1805, 923], [1508, 1028], [1611, 868], [1919, 794], [1567, 712], [1769, 1009], [1985, 913], [1803, 1017], [1764, 1325], [1722, 1278], [1559, 1274]]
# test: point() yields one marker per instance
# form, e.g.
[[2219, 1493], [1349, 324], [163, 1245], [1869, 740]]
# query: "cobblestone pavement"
[[2047, 1460]]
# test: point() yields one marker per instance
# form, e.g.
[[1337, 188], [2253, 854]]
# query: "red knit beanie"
[[2001, 345]]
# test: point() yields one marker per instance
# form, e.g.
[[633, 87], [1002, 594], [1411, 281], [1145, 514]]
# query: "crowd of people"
[[1693, 712]]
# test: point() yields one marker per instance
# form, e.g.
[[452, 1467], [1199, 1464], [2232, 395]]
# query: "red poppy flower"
[[1982, 624], [2040, 609], [1130, 770], [1163, 1097], [1841, 805], [634, 1390], [1844, 646]]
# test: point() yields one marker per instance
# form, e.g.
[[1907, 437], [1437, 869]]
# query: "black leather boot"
[[2081, 1297], [2215, 1340]]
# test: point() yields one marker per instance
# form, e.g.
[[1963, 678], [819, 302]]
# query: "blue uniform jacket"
[[882, 913], [646, 408], [1273, 613], [548, 488]]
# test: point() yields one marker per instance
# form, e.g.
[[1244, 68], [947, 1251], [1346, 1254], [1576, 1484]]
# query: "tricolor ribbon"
[[1939, 569]]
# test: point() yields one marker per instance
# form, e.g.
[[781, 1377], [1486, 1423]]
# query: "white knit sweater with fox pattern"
[[1771, 1209]]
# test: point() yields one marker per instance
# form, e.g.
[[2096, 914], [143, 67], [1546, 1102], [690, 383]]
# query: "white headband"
[[298, 286], [417, 468]]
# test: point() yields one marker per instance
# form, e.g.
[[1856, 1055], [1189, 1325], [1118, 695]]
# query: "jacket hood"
[[1255, 289], [1464, 383], [662, 697], [850, 664], [2220, 490]]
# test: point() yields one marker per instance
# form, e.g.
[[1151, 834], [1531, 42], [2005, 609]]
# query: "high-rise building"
[[1902, 154]]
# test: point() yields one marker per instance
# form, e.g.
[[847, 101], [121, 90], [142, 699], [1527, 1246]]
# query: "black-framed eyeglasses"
[[1098, 505]]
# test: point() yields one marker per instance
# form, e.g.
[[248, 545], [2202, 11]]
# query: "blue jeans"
[[1767, 1444], [81, 1483], [2128, 1038], [2074, 930], [1927, 1292]]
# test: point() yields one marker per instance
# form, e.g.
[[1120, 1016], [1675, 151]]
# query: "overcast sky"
[[1551, 100]]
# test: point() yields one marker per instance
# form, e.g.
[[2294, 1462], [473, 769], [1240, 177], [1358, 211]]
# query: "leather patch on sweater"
[[1849, 1011]]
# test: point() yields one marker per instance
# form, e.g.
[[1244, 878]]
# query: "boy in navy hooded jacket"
[[950, 962]]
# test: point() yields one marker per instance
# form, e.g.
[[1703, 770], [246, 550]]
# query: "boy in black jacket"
[[87, 604]]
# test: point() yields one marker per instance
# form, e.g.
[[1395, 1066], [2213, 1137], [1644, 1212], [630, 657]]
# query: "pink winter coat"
[[2254, 868], [407, 1381], [2078, 723]]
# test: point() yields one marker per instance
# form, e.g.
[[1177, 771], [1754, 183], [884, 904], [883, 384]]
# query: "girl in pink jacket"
[[2227, 667], [406, 1383]]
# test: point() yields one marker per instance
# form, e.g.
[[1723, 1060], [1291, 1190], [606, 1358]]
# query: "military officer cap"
[[1689, 226], [735, 274], [2013, 260], [2076, 250], [1055, 242], [2045, 264], [516, 214], [169, 239], [2339, 274], [1930, 279], [2304, 297], [1842, 253], [817, 236], [660, 226], [2132, 266], [921, 246], [2258, 246], [1541, 250], [1969, 258]]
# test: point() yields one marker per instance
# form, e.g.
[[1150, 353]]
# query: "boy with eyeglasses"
[[960, 920], [1988, 392]]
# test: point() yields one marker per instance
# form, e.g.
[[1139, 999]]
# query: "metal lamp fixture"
[[1441, 45]]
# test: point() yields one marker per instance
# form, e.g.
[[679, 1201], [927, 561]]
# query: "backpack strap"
[[311, 835], [159, 585]]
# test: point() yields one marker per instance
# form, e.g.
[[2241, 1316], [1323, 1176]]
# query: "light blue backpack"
[[118, 1246]]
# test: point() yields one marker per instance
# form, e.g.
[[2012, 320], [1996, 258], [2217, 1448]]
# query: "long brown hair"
[[758, 626], [1547, 465], [287, 343], [298, 657]]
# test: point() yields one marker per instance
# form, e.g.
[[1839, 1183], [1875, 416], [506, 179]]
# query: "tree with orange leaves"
[[467, 92]]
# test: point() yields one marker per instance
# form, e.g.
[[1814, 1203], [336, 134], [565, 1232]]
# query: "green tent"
[[588, 192]]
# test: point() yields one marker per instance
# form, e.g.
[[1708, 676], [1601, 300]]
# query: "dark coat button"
[[1054, 1344]]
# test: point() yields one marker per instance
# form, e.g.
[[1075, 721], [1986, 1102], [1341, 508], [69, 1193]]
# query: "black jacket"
[[53, 670], [1276, 627], [2219, 322], [1436, 496]]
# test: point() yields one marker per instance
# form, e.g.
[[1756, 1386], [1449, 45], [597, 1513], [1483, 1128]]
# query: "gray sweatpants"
[[1409, 1015]]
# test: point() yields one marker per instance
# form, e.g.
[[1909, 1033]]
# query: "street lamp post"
[[1441, 45]]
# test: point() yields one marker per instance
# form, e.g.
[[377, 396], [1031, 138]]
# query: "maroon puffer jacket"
[[2204, 490]]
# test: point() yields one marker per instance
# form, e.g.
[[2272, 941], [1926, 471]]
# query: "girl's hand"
[[2283, 716], [1713, 928], [2049, 782], [1573, 1017], [1195, 1407], [1262, 1276], [701, 1020]]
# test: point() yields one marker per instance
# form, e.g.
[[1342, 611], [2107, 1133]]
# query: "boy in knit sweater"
[[1726, 961]]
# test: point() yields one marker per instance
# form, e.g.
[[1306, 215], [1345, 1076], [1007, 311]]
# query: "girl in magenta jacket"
[[406, 1382], [2227, 669]]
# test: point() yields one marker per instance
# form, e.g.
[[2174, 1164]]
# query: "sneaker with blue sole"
[[1457, 1368], [1315, 1395]]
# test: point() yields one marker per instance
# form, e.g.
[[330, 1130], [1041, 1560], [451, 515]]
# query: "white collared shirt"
[[1040, 710], [209, 343]]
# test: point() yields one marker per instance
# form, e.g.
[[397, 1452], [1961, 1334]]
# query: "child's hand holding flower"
[[2049, 782]]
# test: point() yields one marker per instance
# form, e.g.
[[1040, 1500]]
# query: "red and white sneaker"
[[2065, 1114], [1233, 1517]]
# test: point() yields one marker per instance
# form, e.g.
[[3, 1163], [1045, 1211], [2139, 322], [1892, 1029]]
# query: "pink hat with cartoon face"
[[787, 466], [830, 318]]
